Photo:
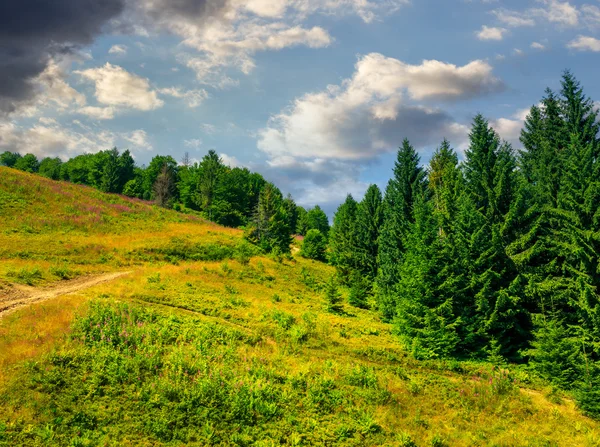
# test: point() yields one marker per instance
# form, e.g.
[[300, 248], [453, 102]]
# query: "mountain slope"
[[207, 342]]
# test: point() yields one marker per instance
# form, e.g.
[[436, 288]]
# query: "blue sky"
[[315, 94]]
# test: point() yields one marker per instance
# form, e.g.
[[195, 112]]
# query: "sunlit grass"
[[313, 377]]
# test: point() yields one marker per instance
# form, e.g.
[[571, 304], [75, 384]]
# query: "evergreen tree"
[[499, 314], [301, 221], [407, 182], [369, 218], [317, 219], [343, 238], [314, 245], [291, 210], [211, 171], [359, 290], [270, 228], [333, 298]]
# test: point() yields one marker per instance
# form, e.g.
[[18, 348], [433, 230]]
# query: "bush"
[[314, 245], [588, 400]]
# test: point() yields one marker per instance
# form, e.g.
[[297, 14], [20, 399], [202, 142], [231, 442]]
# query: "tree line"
[[494, 257], [234, 197]]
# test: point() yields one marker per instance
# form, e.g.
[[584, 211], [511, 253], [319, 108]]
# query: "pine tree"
[[369, 218], [333, 298], [314, 245], [270, 228], [317, 219], [359, 290], [211, 170], [499, 314], [407, 182], [343, 238]]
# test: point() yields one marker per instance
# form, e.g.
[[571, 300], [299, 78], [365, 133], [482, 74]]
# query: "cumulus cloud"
[[120, 50], [491, 33], [49, 139], [223, 45], [230, 160], [33, 33], [537, 46], [117, 87], [138, 138], [585, 43], [325, 136]]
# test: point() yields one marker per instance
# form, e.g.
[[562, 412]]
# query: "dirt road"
[[16, 296]]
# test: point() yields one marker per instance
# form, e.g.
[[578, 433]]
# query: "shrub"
[[314, 245], [588, 400], [63, 272], [29, 277]]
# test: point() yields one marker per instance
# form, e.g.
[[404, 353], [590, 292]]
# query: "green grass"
[[208, 342]]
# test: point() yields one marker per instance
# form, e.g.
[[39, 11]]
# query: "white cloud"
[[227, 34], [194, 143], [138, 138], [209, 129], [323, 137], [585, 43], [119, 50], [117, 87], [555, 11], [518, 52], [52, 91], [223, 46], [491, 33], [49, 139], [508, 129], [591, 16], [537, 46], [101, 113], [193, 98], [513, 18], [230, 160]]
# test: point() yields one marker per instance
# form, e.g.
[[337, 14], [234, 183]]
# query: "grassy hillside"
[[206, 342]]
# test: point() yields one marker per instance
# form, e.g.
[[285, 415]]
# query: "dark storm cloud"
[[31, 31]]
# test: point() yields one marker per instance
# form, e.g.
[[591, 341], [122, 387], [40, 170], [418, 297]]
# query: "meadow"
[[207, 341]]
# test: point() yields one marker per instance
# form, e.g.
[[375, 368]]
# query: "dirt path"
[[17, 296]]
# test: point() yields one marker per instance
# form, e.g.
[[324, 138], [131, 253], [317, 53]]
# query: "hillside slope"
[[207, 342]]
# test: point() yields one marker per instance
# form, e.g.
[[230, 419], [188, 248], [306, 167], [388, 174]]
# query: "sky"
[[316, 95]]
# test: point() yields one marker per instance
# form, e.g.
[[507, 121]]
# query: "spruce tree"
[[317, 219], [314, 245], [343, 238], [369, 218], [333, 298], [498, 313], [408, 181]]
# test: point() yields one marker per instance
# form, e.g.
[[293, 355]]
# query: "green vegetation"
[[495, 257], [459, 309]]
